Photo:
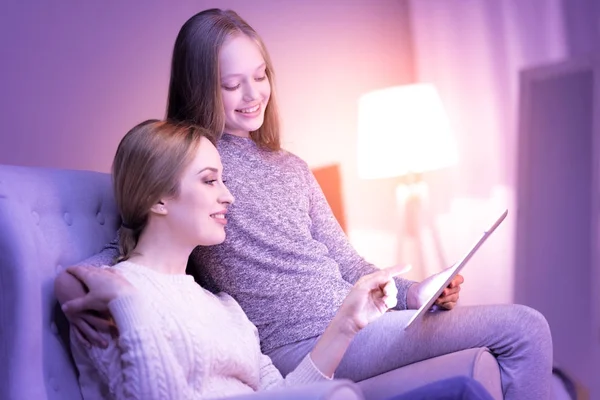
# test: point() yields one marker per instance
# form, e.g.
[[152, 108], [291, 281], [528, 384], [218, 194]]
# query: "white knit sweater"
[[178, 341]]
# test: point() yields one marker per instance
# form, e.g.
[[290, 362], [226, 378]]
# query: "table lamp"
[[403, 131]]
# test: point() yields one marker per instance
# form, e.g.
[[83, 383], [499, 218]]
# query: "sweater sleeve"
[[327, 230], [139, 364], [306, 372], [270, 377], [107, 256]]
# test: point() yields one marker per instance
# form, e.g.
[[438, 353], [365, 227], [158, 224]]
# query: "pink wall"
[[75, 76]]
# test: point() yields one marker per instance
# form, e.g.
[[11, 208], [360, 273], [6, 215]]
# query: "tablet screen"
[[443, 279]]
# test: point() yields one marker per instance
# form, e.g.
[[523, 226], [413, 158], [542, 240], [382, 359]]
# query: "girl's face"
[[198, 212], [245, 88]]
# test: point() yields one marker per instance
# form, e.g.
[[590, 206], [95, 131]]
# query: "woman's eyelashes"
[[211, 180]]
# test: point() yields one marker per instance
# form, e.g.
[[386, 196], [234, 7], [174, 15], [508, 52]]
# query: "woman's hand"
[[418, 293], [103, 284], [370, 298]]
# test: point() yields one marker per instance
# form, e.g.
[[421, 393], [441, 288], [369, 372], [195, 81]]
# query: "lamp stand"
[[420, 243]]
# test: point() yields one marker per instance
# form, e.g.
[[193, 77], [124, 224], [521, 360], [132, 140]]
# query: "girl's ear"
[[159, 208]]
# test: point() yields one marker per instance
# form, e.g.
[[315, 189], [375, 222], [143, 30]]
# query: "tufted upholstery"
[[50, 219]]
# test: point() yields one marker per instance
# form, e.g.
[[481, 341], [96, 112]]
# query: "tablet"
[[445, 277]]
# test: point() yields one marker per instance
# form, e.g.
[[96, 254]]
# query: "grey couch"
[[53, 218]]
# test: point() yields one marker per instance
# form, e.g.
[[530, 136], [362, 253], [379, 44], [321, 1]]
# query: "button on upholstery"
[[53, 383], [36, 217], [100, 218], [68, 219]]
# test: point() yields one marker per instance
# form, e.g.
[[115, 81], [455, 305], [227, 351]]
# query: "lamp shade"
[[403, 130]]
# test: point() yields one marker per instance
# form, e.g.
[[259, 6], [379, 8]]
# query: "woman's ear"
[[159, 208]]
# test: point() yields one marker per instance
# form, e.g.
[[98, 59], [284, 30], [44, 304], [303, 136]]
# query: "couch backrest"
[[49, 219]]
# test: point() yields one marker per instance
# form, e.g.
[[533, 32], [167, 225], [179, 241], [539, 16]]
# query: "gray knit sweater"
[[286, 260]]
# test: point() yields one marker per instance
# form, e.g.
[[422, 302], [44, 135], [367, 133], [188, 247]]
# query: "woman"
[[176, 340], [285, 259]]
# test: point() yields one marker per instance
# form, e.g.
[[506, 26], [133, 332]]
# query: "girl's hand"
[[103, 284], [370, 298], [90, 327], [418, 293], [449, 296]]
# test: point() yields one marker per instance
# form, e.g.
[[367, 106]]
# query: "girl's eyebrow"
[[261, 66]]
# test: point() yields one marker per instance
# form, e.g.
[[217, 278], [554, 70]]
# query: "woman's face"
[[198, 212], [245, 88]]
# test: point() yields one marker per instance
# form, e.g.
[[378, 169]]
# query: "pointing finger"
[[398, 270], [390, 289], [382, 276]]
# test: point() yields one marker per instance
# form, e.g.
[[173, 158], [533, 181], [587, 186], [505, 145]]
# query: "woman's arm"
[[306, 372], [370, 298], [138, 363]]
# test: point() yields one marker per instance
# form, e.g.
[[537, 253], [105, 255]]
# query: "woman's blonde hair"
[[195, 87], [148, 166]]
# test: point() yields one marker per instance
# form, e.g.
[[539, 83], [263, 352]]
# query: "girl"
[[285, 259], [177, 340]]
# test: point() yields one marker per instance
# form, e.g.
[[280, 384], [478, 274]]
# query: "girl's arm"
[[88, 326], [107, 256], [327, 230]]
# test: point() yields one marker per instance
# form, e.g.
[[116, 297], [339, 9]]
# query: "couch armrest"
[[337, 389], [477, 363]]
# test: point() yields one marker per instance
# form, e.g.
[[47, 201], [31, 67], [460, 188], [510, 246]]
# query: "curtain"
[[473, 50]]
